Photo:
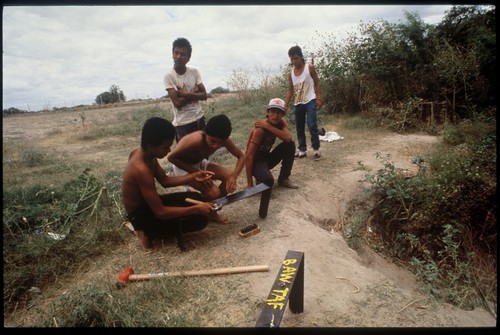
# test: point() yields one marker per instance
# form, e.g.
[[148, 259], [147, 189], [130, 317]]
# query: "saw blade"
[[241, 194]]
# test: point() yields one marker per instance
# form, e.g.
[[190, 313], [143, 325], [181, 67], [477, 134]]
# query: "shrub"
[[442, 219]]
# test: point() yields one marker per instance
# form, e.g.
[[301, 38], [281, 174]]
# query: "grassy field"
[[62, 175]]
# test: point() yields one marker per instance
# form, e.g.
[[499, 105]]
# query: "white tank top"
[[303, 86]]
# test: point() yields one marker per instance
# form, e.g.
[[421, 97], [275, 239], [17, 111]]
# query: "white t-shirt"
[[192, 111]]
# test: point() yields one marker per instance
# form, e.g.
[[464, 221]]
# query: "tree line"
[[452, 63]]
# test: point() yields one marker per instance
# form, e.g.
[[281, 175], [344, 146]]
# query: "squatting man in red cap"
[[261, 157]]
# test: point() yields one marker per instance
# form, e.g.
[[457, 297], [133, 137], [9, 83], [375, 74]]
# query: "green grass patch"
[[47, 230]]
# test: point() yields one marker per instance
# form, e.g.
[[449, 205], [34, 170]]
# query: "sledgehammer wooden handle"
[[219, 271]]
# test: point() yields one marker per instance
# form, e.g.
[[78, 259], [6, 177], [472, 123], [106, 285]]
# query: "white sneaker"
[[317, 155], [300, 154]]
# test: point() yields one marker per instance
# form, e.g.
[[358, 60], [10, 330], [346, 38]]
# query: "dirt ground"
[[343, 287]]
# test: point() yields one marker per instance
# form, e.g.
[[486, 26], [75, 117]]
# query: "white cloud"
[[66, 55]]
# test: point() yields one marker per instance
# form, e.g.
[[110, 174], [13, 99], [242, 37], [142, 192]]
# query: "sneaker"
[[287, 183], [317, 155], [300, 154]]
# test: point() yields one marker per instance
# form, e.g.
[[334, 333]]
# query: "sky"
[[63, 56]]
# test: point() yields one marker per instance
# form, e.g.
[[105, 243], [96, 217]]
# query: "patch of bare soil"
[[343, 287]]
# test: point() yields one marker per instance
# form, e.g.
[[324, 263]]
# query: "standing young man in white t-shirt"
[[185, 90], [304, 87]]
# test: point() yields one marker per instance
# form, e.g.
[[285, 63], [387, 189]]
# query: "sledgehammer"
[[128, 274]]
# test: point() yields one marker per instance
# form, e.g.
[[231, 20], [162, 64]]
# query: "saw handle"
[[197, 202], [193, 201]]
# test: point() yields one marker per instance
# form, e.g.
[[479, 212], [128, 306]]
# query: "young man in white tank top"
[[304, 87]]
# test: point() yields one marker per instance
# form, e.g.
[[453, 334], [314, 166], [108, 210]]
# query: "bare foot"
[[146, 244], [219, 218]]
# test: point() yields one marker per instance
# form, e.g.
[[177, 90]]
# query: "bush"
[[454, 255]]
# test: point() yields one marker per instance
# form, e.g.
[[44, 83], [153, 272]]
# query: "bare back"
[[138, 178]]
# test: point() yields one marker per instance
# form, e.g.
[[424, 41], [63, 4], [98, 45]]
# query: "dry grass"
[[208, 301]]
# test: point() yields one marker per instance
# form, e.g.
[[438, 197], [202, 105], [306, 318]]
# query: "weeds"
[[33, 157], [400, 118], [355, 229], [97, 306], [417, 216], [45, 233]]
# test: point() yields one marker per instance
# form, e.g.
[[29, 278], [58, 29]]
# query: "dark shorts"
[[154, 228], [181, 131]]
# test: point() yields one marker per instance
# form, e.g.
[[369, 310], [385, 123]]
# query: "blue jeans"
[[307, 113]]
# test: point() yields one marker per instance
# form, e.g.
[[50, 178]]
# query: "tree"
[[388, 64], [114, 94], [471, 32], [219, 89]]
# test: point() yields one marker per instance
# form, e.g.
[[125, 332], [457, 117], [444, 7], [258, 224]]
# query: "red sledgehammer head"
[[124, 276]]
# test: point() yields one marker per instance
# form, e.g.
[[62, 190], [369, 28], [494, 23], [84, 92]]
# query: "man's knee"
[[212, 193], [268, 181]]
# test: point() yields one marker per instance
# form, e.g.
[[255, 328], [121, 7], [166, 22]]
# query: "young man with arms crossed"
[[185, 90], [155, 216], [260, 155]]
